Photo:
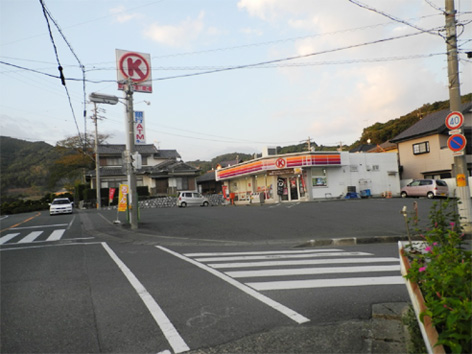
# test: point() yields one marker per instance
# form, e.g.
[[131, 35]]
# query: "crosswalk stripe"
[[311, 271], [282, 256], [326, 283], [56, 235], [301, 262], [30, 237], [7, 238], [249, 253]]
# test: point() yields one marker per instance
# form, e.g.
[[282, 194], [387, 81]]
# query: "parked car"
[[430, 188], [61, 206], [187, 198]]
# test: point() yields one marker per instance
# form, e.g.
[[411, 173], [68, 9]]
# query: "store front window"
[[319, 177]]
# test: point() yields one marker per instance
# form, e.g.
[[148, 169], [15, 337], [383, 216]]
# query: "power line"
[[78, 61], [396, 19], [61, 75], [244, 66]]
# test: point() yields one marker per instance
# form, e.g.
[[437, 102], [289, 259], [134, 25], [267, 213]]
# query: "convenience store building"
[[306, 176]]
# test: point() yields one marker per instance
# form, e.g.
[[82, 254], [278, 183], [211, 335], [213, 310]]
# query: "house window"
[[114, 161], [182, 183], [421, 148]]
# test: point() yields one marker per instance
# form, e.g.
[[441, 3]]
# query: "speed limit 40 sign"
[[454, 120]]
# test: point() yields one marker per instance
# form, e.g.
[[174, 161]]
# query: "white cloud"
[[121, 15], [181, 34]]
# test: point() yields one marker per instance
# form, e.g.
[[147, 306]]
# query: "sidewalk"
[[384, 333]]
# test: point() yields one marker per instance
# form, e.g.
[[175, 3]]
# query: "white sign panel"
[[134, 66], [139, 133]]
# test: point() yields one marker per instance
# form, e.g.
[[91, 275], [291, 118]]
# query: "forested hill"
[[24, 164], [379, 133]]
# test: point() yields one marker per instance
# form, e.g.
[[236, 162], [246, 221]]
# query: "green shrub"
[[443, 271]]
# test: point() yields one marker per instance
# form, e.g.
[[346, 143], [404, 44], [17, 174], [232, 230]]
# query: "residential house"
[[162, 171], [423, 150], [207, 183]]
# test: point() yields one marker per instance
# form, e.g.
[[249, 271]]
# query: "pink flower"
[[452, 224], [422, 269], [428, 249]]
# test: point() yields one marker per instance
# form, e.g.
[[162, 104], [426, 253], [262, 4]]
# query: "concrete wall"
[[376, 172]]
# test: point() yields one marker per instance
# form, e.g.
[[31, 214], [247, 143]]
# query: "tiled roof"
[[209, 176], [363, 148], [433, 123], [147, 149]]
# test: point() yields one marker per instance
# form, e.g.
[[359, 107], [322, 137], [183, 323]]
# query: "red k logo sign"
[[134, 66], [280, 163]]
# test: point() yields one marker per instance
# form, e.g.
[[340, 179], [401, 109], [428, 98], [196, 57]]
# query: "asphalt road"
[[79, 283], [289, 223]]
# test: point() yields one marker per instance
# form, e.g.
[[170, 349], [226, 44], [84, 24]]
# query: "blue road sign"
[[457, 142]]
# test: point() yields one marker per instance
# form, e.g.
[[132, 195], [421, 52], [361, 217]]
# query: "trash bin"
[[261, 197], [365, 193]]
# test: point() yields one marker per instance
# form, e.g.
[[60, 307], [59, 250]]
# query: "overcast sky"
[[329, 68]]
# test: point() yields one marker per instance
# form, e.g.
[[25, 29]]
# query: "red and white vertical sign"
[[139, 131], [134, 66]]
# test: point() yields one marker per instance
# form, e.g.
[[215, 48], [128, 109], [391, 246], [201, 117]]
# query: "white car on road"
[[191, 198], [61, 206]]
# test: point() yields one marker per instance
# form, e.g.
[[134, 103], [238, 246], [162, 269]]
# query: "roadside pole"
[[133, 195], [460, 162], [97, 160]]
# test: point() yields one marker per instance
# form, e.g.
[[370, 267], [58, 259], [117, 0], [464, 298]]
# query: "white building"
[[307, 176]]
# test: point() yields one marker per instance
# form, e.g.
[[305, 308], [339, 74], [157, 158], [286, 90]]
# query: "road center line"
[[173, 337], [268, 301]]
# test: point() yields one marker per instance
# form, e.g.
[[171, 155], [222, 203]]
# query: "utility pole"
[[460, 162], [107, 99], [133, 194], [97, 159]]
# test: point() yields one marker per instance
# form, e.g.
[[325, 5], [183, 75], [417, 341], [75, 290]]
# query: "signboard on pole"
[[134, 66], [139, 131], [122, 198]]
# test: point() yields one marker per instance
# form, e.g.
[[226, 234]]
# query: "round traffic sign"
[[457, 142], [454, 120]]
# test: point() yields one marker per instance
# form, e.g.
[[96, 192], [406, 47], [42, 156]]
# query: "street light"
[[105, 99]]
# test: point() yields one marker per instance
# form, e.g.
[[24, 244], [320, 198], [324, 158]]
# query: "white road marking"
[[48, 245], [211, 254], [173, 337], [301, 262], [70, 224], [30, 237], [37, 227], [282, 256], [56, 235], [310, 271], [326, 283], [7, 237], [274, 304]]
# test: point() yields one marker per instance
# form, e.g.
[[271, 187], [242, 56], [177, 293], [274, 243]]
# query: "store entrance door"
[[293, 188]]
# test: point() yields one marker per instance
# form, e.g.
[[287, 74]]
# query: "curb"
[[352, 241]]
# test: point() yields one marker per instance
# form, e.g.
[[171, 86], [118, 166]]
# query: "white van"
[[188, 198]]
